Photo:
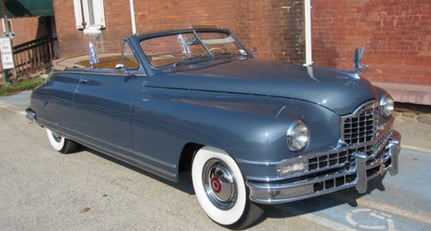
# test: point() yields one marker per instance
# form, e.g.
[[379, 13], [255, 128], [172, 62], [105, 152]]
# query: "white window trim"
[[4, 25], [89, 15]]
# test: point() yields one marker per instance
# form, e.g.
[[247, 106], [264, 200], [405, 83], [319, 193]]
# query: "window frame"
[[125, 48], [9, 21], [89, 15]]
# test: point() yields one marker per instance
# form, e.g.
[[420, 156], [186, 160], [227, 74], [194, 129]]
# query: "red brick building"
[[29, 20], [28, 28], [259, 24], [31, 26], [395, 33]]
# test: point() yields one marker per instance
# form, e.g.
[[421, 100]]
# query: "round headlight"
[[297, 136], [386, 106]]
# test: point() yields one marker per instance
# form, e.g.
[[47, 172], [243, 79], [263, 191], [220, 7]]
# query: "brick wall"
[[396, 35], [271, 27], [73, 42], [29, 28]]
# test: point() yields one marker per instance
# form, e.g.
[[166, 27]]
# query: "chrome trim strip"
[[372, 104], [281, 186], [164, 163], [300, 195]]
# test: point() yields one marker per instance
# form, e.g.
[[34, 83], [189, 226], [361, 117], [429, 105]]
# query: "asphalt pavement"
[[43, 190]]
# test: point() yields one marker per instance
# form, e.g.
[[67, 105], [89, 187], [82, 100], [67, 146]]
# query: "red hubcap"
[[216, 184]]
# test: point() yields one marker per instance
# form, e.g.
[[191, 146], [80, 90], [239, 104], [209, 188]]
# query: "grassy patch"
[[13, 88]]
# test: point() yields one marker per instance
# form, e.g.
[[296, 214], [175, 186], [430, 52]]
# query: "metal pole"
[[308, 39], [132, 16], [4, 12]]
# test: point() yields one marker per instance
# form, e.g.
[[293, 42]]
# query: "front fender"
[[250, 128]]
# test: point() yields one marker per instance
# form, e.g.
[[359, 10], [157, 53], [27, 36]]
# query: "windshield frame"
[[207, 54]]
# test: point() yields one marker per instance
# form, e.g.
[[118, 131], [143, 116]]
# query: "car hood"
[[339, 91]]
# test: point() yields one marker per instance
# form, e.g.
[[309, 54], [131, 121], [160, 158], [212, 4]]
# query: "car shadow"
[[184, 180]]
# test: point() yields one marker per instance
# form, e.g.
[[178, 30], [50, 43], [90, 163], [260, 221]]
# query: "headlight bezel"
[[386, 106], [297, 136]]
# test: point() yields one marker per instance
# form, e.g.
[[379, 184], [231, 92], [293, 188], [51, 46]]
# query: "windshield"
[[189, 47]]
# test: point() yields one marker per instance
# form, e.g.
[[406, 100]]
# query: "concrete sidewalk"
[[21, 99], [412, 121], [414, 124]]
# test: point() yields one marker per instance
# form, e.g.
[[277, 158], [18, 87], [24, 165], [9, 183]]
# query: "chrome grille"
[[343, 160], [330, 160], [334, 182], [360, 132], [361, 126]]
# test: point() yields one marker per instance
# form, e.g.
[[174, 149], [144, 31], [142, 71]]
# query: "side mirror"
[[357, 58], [119, 66]]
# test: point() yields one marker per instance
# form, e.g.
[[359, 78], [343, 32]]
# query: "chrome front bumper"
[[361, 169]]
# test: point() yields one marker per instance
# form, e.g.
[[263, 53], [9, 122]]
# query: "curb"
[[414, 148]]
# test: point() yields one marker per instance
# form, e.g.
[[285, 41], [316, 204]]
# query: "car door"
[[54, 101], [103, 103], [155, 141]]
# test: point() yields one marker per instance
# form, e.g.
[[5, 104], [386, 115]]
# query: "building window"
[[9, 25], [89, 15]]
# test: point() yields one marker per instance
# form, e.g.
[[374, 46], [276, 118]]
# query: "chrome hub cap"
[[219, 184]]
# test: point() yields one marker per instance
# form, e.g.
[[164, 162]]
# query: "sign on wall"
[[6, 53]]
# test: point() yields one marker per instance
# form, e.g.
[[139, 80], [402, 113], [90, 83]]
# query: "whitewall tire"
[[220, 189], [59, 143]]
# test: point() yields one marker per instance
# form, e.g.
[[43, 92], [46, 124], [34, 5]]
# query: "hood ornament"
[[357, 58]]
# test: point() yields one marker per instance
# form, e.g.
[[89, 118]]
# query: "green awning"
[[28, 8]]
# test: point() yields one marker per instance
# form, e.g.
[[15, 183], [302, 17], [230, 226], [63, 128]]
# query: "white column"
[[307, 18], [132, 16]]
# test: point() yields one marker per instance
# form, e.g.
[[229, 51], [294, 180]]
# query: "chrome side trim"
[[117, 155]]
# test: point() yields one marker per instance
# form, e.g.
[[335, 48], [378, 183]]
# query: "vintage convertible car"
[[251, 132]]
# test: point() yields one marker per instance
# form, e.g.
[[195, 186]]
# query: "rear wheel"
[[61, 144], [220, 189]]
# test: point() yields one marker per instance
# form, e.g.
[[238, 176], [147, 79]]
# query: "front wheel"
[[61, 144], [221, 190]]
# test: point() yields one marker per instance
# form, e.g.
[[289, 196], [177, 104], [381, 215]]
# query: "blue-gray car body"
[[157, 117]]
